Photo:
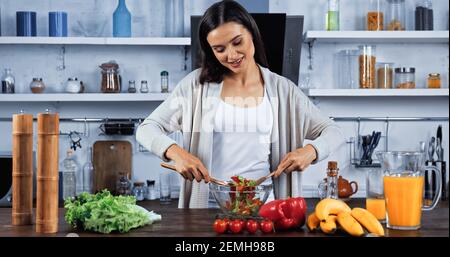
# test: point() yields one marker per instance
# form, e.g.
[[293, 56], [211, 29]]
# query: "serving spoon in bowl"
[[262, 179], [213, 180]]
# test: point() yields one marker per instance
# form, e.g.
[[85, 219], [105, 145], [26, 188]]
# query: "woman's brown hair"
[[217, 14]]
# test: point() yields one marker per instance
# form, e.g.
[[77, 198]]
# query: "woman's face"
[[232, 44]]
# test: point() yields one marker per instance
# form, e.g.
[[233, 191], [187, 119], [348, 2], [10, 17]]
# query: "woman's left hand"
[[297, 160]]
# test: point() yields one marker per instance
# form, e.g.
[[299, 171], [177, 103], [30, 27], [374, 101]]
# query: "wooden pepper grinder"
[[47, 173], [22, 173]]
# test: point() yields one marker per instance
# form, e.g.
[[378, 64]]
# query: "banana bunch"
[[331, 213]]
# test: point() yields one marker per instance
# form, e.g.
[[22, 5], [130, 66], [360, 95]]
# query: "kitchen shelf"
[[175, 41], [377, 36], [84, 97], [377, 92]]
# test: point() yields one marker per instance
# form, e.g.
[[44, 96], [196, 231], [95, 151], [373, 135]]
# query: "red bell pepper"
[[285, 214]]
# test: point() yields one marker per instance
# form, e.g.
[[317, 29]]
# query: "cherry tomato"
[[266, 226], [243, 224], [236, 226], [220, 226], [252, 226]]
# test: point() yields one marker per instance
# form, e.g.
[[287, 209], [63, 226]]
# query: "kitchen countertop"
[[198, 223]]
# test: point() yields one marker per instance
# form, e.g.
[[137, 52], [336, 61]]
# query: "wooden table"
[[198, 223]]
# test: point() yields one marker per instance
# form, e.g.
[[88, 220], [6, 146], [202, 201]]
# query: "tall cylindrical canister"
[[47, 173], [22, 173]]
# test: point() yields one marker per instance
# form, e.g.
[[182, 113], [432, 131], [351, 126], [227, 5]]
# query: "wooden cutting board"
[[110, 159]]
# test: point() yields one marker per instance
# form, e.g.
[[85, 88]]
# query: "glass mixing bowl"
[[242, 202]]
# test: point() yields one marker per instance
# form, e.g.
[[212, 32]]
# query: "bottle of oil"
[[332, 180]]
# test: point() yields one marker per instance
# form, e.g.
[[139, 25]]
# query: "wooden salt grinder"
[[22, 173], [47, 173]]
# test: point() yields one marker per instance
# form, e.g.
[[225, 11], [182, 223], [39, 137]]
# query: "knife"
[[439, 149]]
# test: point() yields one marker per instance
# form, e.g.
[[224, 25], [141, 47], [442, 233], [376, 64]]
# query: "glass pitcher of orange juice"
[[404, 188]]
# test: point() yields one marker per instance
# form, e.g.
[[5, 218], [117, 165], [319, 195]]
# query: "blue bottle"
[[122, 21]]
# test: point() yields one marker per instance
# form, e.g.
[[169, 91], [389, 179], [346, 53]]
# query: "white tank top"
[[241, 140]]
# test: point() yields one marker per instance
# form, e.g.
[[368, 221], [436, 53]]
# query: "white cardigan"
[[191, 106]]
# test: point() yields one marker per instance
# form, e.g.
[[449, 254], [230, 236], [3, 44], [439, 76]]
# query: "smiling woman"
[[227, 35], [237, 117]]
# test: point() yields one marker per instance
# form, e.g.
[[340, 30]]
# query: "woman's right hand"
[[189, 165]]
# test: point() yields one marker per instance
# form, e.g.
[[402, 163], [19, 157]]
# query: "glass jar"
[[8, 82], [385, 74], [139, 191], [375, 16], [367, 61], [111, 80], [123, 185], [405, 77], [332, 16], [347, 68], [164, 82], [424, 15], [175, 24], [396, 15], [37, 86], [131, 87], [434, 80], [144, 86]]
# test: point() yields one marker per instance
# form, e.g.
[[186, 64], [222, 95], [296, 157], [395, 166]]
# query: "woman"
[[236, 116]]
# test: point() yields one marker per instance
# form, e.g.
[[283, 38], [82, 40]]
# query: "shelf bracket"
[[185, 57], [310, 53]]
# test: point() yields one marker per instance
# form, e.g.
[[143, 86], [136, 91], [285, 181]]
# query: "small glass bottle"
[[144, 86], [139, 191], [88, 173], [69, 176], [151, 192], [434, 80], [332, 180], [332, 16], [123, 185], [8, 82], [164, 82], [131, 87]]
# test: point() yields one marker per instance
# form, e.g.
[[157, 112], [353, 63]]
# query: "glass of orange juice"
[[375, 202], [404, 188]]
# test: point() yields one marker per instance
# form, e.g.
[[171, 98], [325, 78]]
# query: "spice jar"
[[131, 87], [434, 80], [367, 62], [37, 86], [123, 185], [385, 75], [375, 16], [139, 191], [396, 15], [164, 82], [405, 77], [144, 86]]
